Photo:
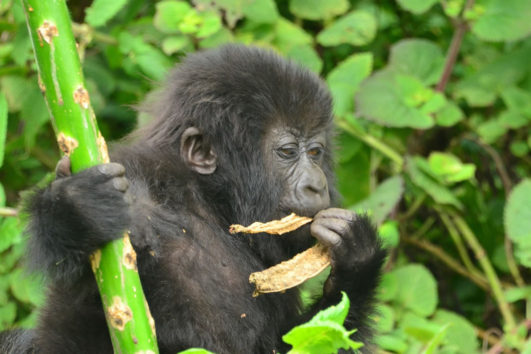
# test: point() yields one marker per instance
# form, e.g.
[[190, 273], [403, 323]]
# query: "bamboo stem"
[[61, 80]]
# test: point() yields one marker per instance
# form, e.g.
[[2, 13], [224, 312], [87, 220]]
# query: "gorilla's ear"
[[197, 153]]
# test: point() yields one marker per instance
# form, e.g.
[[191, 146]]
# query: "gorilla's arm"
[[357, 257], [75, 215]]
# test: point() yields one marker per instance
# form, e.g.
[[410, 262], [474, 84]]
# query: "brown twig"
[[455, 46]]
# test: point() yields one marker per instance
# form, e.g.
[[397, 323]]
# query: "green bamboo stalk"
[[132, 329]]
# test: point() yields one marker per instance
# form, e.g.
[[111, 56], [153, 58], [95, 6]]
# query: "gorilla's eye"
[[316, 151], [288, 151]]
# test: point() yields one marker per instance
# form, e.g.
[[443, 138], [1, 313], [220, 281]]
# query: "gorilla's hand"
[[351, 240], [91, 206]]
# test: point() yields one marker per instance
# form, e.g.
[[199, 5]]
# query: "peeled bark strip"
[[291, 273], [62, 84], [276, 227]]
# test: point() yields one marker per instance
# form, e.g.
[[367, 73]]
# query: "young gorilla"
[[240, 135]]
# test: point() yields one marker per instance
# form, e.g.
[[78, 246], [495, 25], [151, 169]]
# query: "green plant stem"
[[88, 32], [4, 212], [130, 324], [371, 141], [417, 203], [461, 248], [448, 260], [488, 269]]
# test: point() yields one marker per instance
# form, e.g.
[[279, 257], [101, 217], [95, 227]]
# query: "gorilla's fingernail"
[[111, 169], [120, 184]]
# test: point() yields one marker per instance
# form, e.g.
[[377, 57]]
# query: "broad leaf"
[[324, 333], [102, 11], [345, 79], [417, 290], [306, 56], [383, 199], [461, 335], [318, 9], [418, 57], [357, 28], [431, 186], [391, 100], [261, 11], [417, 6], [449, 168], [517, 219], [503, 20]]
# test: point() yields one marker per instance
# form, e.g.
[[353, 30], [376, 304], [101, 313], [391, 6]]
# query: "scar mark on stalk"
[[102, 148], [81, 97], [129, 255], [66, 144], [119, 313], [95, 260]]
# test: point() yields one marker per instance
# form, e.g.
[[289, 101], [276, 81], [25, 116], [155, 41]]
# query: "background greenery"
[[433, 108]]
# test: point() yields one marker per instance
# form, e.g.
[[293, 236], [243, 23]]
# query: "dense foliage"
[[433, 108]]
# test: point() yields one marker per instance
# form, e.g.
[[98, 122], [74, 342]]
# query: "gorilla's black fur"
[[238, 135]]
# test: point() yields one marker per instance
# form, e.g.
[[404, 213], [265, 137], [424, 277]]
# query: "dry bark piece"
[[291, 273], [276, 227]]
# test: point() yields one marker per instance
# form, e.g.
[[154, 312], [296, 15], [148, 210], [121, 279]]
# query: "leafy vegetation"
[[433, 108]]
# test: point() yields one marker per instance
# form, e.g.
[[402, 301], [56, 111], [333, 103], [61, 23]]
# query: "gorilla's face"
[[296, 161]]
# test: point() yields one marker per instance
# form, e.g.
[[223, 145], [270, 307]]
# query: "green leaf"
[[417, 57], [383, 199], [461, 335], [420, 294], [432, 346], [289, 35], [518, 100], [102, 11], [491, 130], [345, 79], [483, 85], [175, 44], [449, 115], [210, 24], [438, 192], [318, 9], [3, 131], [389, 234], [450, 168], [27, 288], [518, 293], [517, 220], [399, 109], [195, 351], [2, 196], [391, 342], [170, 14], [357, 28], [8, 313], [324, 333], [10, 232], [384, 318], [388, 287], [306, 56], [261, 11], [417, 6], [519, 148], [503, 20]]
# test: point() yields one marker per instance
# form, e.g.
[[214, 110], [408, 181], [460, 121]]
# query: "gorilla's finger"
[[63, 167]]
